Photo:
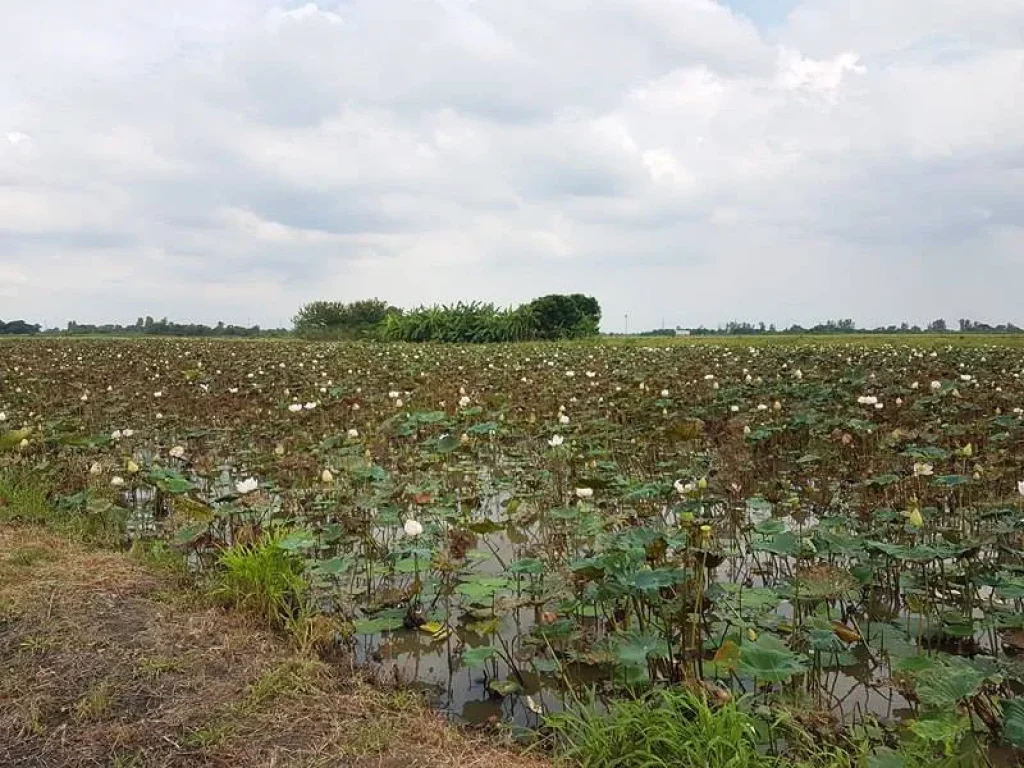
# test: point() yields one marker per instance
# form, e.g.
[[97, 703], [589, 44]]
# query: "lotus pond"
[[833, 530]]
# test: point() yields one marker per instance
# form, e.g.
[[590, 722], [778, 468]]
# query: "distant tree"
[[18, 328], [937, 326], [558, 316], [340, 320]]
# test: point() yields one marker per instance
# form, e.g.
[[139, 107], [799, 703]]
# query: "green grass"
[[673, 727], [28, 556], [24, 499], [265, 580]]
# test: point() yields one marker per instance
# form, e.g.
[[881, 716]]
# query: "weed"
[[674, 727], [154, 667], [95, 704], [23, 499], [265, 580], [293, 677], [27, 556], [209, 736], [36, 644]]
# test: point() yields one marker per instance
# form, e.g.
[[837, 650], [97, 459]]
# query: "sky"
[[687, 162]]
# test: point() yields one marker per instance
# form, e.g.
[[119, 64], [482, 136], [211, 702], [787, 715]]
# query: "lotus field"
[[829, 532]]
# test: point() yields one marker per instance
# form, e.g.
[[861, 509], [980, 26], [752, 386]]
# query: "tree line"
[[839, 326], [146, 326], [552, 317]]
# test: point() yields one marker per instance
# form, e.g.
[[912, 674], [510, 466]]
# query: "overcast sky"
[[682, 160]]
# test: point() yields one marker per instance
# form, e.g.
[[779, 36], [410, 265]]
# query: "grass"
[[672, 727], [291, 677], [265, 580], [96, 703], [25, 499]]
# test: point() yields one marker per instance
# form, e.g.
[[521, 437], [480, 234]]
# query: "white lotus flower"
[[683, 488], [158, 394], [127, 432], [923, 469], [935, 386], [412, 527], [798, 374], [563, 419], [584, 493], [176, 452], [353, 433], [556, 440], [867, 400], [117, 481], [464, 401], [309, 406], [734, 408], [326, 476], [3, 416], [664, 393], [96, 468], [1020, 487], [393, 394], [295, 407], [399, 403], [248, 485]]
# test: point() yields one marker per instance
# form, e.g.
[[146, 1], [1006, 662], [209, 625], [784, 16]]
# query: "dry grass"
[[105, 662]]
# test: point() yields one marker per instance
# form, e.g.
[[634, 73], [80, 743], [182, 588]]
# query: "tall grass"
[[265, 580], [25, 497], [672, 727]]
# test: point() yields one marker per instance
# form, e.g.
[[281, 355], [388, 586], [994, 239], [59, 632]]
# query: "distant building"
[[682, 331]]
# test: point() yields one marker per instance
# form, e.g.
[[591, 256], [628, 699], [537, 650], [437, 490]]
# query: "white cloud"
[[230, 159]]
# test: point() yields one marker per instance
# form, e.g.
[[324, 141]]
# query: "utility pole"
[[627, 324]]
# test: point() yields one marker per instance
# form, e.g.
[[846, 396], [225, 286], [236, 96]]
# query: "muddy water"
[[416, 658]]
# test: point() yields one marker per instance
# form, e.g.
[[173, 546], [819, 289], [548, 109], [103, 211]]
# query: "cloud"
[[232, 159]]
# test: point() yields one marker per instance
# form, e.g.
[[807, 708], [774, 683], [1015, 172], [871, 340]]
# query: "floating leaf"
[[476, 657]]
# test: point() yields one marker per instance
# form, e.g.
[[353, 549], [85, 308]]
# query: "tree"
[[18, 328], [937, 326], [558, 316], [339, 320]]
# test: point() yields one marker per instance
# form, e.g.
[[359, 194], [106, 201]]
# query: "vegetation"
[[678, 727], [823, 534], [265, 579], [848, 326], [106, 661], [17, 328], [336, 320], [548, 317], [149, 327]]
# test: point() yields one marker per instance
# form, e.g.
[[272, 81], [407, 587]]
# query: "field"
[[829, 533]]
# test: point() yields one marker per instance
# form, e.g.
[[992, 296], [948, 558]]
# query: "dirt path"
[[107, 662]]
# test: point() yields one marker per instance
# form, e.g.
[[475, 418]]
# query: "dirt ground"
[[107, 661]]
